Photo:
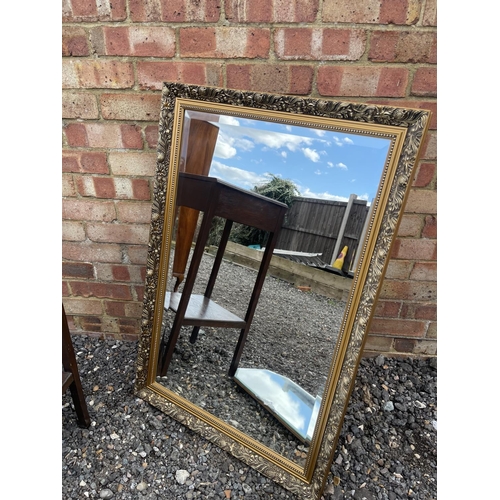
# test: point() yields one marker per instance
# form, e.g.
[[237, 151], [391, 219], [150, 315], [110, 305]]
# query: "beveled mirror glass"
[[232, 345]]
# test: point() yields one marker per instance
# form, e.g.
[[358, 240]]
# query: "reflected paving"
[[293, 334]]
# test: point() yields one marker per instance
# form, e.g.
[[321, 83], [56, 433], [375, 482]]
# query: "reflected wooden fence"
[[322, 226]]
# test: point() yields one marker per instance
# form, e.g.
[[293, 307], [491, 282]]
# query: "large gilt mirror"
[[272, 221]]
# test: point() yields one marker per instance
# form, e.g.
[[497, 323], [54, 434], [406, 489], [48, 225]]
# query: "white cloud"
[[341, 142], [243, 137], [228, 120], [227, 146], [312, 154], [224, 150], [325, 195], [237, 176], [284, 154], [320, 133], [341, 165]]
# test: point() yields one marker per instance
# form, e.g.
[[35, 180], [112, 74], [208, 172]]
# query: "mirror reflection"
[[264, 210]]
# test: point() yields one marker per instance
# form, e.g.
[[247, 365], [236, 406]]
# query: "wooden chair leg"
[[71, 377]]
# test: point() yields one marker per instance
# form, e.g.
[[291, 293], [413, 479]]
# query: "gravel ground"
[[297, 346], [386, 450]]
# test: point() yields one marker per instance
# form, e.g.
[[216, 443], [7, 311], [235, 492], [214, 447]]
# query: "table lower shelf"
[[204, 312]]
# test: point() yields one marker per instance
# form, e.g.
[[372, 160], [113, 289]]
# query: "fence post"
[[361, 240], [347, 212]]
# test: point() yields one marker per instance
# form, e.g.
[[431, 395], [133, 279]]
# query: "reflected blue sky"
[[323, 164]]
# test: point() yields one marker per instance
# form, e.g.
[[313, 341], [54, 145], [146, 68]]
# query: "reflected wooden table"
[[216, 198]]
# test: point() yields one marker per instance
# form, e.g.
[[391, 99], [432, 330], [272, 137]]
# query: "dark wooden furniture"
[[214, 198], [71, 377], [200, 147]]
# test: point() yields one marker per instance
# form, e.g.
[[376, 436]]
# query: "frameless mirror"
[[255, 195]]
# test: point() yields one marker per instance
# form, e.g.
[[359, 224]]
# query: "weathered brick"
[[129, 326], [68, 186], [88, 210], [426, 311], [93, 163], [75, 306], [151, 75], [88, 251], [79, 105], [359, 81], [65, 289], [410, 226], [387, 309], [104, 135], [114, 188], [138, 254], [151, 134], [276, 11], [421, 201], [426, 271], [398, 269], [289, 79], [425, 347], [139, 291], [74, 41], [176, 11], [90, 323], [76, 135], [73, 231], [100, 290], [429, 147], [142, 107], [119, 272], [85, 162], [430, 13], [402, 12], [378, 343], [97, 187], [132, 164], [425, 82], [351, 11], [225, 42], [398, 327], [415, 249], [133, 212], [141, 189], [325, 44], [97, 73], [137, 41], [404, 345], [403, 46], [432, 330], [77, 270], [92, 10], [118, 233], [425, 175], [430, 228], [124, 309], [408, 290]]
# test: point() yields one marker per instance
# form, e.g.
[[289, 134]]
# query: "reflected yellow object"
[[340, 259]]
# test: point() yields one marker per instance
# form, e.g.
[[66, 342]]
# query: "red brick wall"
[[116, 56]]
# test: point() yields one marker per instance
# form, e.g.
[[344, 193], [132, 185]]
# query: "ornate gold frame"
[[406, 128]]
